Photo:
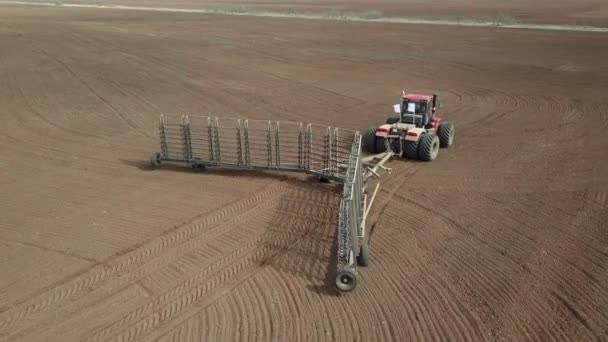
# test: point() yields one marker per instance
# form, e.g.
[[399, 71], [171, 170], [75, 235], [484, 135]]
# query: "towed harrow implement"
[[327, 152]]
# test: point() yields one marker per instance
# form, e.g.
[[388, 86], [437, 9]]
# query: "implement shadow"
[[300, 241], [180, 168], [301, 236]]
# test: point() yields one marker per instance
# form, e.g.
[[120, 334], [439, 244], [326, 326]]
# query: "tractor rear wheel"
[[369, 140], [410, 150], [392, 120], [446, 134], [428, 147]]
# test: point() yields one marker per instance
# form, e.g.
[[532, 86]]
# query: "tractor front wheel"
[[446, 134], [428, 147]]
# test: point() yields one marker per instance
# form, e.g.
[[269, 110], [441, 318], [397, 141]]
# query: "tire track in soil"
[[420, 270], [128, 259], [401, 288], [302, 267], [213, 265], [122, 115], [588, 295], [292, 217], [171, 269], [555, 277], [598, 199], [46, 120], [280, 299], [152, 62], [289, 298], [19, 96], [483, 272], [399, 170], [286, 109], [191, 300], [416, 325], [522, 241], [256, 309], [262, 312], [375, 308], [21, 143]]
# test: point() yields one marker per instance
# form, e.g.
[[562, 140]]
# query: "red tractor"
[[415, 133]]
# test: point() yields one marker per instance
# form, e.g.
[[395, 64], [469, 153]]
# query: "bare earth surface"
[[503, 237]]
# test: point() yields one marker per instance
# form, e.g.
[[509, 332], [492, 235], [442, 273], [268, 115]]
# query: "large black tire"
[[369, 140], [363, 258], [392, 120], [410, 150], [346, 280], [446, 132], [155, 160], [380, 145], [428, 147]]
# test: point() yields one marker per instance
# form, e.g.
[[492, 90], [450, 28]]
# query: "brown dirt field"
[[504, 237]]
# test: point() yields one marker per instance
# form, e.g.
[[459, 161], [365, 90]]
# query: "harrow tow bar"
[[384, 157]]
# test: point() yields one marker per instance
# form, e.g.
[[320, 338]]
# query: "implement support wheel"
[[346, 280], [155, 160]]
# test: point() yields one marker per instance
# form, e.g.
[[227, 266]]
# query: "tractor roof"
[[418, 97]]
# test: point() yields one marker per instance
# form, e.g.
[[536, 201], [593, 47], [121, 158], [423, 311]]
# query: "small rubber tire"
[[363, 257], [392, 120], [446, 132], [346, 280], [428, 147], [155, 160], [410, 150], [369, 140], [322, 179], [198, 167]]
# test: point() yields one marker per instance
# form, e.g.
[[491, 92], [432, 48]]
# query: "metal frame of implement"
[[328, 152]]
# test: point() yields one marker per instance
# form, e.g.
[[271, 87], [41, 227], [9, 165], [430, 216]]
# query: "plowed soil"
[[503, 237]]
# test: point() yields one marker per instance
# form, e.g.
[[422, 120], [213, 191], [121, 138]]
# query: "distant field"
[[571, 12]]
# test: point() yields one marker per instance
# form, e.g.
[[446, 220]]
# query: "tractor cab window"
[[414, 107]]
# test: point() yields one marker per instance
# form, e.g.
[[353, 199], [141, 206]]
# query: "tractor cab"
[[415, 132], [417, 109]]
